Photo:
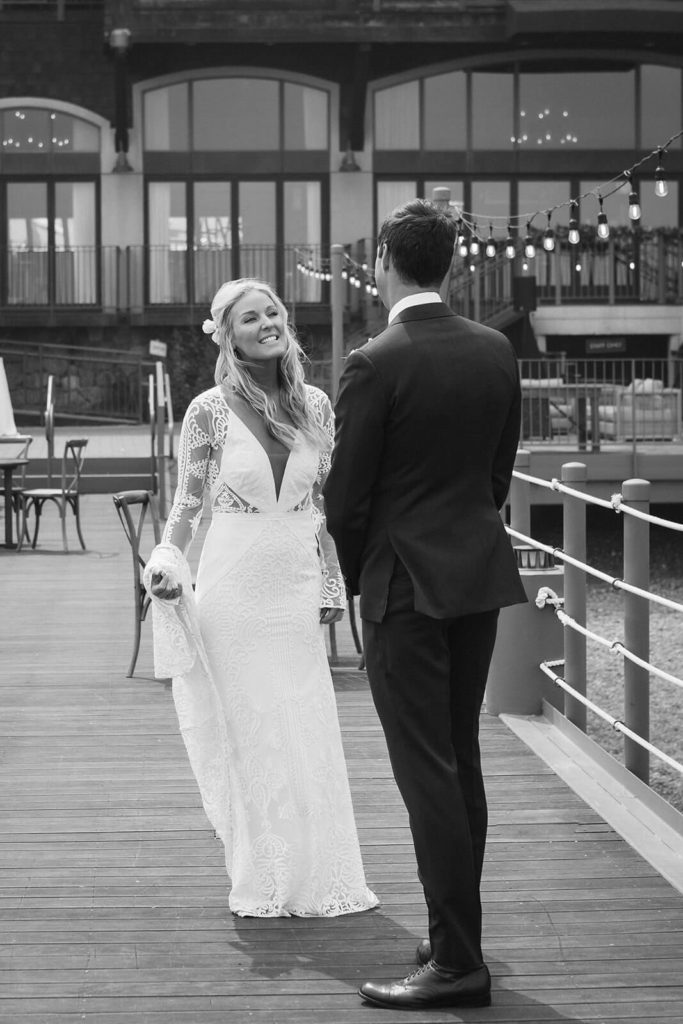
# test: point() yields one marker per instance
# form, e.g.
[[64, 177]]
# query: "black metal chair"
[[145, 504], [17, 446], [65, 496]]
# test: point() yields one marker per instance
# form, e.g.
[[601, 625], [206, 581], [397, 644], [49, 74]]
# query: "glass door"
[[213, 248], [76, 253], [27, 243], [167, 267], [303, 240], [255, 233]]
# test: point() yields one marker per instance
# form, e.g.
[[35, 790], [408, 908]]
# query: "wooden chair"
[[65, 496], [145, 504]]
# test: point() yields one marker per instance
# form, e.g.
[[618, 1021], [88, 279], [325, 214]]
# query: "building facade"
[[151, 149]]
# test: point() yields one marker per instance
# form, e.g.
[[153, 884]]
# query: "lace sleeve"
[[333, 594], [194, 450]]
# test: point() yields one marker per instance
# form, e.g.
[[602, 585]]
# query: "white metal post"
[[574, 474], [337, 301], [637, 627]]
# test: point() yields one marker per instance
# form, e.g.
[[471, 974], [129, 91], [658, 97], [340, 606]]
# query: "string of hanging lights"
[[468, 241], [358, 275]]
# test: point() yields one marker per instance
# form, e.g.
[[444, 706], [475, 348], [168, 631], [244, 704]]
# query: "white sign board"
[[158, 348]]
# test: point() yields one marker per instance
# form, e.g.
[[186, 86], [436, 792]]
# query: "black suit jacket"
[[427, 426]]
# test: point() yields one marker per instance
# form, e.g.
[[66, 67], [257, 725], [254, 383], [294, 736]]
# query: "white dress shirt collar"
[[417, 299]]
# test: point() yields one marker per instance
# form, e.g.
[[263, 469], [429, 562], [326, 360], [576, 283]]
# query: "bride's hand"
[[330, 615], [165, 586]]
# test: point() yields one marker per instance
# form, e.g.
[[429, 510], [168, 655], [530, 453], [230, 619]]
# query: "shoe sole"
[[483, 1000]]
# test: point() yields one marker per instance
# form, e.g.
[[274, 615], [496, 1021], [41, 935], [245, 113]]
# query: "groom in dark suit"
[[428, 418]]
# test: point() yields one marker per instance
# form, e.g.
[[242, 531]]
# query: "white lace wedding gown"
[[251, 681]]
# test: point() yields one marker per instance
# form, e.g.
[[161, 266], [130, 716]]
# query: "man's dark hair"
[[420, 239]]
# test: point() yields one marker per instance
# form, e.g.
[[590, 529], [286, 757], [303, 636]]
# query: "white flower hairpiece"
[[210, 327]]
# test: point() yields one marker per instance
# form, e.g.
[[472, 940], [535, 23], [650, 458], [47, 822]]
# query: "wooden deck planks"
[[113, 894]]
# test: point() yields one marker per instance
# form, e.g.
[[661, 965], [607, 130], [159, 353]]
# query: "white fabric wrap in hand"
[[177, 637]]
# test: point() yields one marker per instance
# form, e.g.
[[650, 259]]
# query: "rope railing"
[[547, 668], [546, 596], [614, 581], [570, 611], [615, 503]]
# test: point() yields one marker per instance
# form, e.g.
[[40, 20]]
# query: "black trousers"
[[427, 678]]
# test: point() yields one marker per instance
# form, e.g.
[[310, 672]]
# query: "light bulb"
[[633, 206], [474, 246], [574, 237], [548, 237], [510, 246], [462, 247], [603, 226], [529, 247], [490, 247], [661, 184]]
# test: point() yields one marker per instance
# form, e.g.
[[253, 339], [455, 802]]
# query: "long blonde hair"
[[234, 373]]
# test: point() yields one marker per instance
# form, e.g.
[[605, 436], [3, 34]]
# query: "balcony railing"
[[85, 276], [589, 403], [629, 267], [157, 276], [137, 279]]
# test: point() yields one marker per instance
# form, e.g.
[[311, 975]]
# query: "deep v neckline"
[[252, 435]]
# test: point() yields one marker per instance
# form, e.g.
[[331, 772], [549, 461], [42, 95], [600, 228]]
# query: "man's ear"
[[383, 255]]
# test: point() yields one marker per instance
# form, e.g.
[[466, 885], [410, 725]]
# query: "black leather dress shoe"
[[431, 986], [424, 952]]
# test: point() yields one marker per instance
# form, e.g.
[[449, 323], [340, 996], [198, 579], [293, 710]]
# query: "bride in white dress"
[[246, 651]]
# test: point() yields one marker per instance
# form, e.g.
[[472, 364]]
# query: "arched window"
[[237, 169], [49, 182], [527, 132], [236, 114]]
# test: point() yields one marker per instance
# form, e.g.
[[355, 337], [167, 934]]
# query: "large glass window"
[[51, 235], [239, 228], [492, 110], [41, 130], [397, 117], [660, 105], [303, 232], [167, 242], [445, 111], [27, 229], [213, 242], [306, 117], [166, 118], [258, 230], [74, 232], [544, 195], [236, 114], [579, 110]]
